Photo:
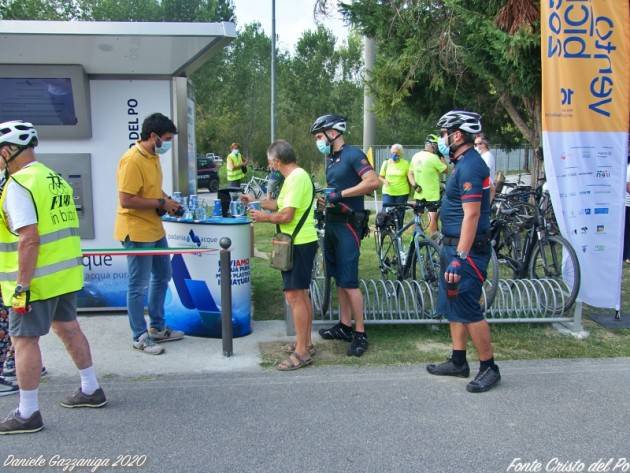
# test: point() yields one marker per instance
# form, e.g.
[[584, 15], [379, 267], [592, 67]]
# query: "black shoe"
[[16, 424], [448, 368], [8, 387], [359, 344], [484, 381], [337, 332]]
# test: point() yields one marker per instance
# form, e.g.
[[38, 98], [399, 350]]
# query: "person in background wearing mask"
[[275, 180], [349, 176], [141, 201], [465, 217], [482, 145], [395, 182], [236, 166], [424, 175], [40, 274]]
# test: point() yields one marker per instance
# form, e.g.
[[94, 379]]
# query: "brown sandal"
[[290, 348], [290, 365]]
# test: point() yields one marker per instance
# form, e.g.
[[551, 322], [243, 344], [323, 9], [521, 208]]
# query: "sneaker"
[[336, 332], [7, 387], [359, 344], [484, 381], [15, 424], [448, 368], [146, 345], [9, 368], [11, 376], [78, 399], [165, 335]]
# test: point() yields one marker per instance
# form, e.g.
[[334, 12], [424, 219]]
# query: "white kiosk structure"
[[87, 86]]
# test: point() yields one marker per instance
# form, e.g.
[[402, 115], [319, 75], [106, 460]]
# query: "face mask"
[[394, 156], [323, 146], [443, 147], [164, 147]]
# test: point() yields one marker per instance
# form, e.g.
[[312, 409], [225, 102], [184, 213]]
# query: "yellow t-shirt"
[[139, 173], [395, 172], [427, 168], [297, 192]]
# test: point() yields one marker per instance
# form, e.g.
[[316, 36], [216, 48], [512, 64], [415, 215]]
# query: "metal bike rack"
[[415, 302]]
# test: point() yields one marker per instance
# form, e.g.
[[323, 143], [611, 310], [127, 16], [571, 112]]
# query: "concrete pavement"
[[333, 419], [110, 340]]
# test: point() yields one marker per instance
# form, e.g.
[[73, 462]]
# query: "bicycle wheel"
[[426, 263], [555, 258], [389, 256], [320, 282], [491, 284]]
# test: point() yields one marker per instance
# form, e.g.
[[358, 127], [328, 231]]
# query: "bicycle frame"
[[414, 244]]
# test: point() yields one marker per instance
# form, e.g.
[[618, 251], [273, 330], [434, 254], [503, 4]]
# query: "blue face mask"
[[394, 156], [323, 146], [443, 147], [165, 146]]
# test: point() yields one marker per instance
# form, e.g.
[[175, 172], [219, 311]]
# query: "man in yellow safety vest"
[[40, 273]]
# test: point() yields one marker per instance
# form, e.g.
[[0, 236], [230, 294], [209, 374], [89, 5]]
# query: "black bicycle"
[[526, 248]]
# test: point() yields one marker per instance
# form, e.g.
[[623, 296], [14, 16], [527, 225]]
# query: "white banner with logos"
[[586, 173]]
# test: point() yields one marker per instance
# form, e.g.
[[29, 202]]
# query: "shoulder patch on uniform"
[[467, 186], [364, 161]]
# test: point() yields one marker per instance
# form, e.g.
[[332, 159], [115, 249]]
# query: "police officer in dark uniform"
[[349, 176], [465, 218]]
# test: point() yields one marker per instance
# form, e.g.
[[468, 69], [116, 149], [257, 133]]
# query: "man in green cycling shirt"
[[424, 175]]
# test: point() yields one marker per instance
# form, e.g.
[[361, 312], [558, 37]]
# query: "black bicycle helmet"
[[17, 132], [469, 122], [329, 122]]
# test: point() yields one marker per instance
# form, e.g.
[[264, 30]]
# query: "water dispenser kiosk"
[[87, 86]]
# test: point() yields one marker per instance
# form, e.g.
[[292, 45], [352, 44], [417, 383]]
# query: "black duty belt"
[[344, 217], [480, 240]]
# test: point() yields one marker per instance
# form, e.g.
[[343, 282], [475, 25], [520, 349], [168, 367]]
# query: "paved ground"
[[338, 419]]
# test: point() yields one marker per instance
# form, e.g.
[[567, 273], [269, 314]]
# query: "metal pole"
[[273, 70], [369, 119], [226, 296]]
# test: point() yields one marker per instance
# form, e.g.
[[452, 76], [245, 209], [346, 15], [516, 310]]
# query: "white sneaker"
[[146, 345]]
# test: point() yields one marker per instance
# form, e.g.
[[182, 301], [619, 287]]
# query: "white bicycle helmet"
[[329, 122], [469, 122], [18, 133]]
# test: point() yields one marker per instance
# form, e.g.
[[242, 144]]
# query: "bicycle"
[[320, 287], [421, 260], [256, 186], [526, 247]]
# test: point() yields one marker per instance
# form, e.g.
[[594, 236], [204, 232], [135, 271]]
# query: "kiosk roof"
[[118, 48]]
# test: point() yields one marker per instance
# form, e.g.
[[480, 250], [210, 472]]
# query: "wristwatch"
[[19, 289], [162, 203], [462, 254]]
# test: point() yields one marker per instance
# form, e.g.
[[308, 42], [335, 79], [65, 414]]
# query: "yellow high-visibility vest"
[[59, 269], [235, 174]]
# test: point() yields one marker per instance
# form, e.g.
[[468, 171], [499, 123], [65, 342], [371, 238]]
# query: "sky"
[[293, 17]]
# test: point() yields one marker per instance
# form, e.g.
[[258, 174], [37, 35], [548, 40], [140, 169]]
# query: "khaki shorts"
[[37, 322]]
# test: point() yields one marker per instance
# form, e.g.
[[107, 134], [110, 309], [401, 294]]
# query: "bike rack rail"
[[415, 302]]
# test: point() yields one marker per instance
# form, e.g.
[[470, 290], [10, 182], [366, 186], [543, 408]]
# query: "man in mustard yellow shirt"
[[138, 226]]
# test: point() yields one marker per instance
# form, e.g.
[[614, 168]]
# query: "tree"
[[440, 54]]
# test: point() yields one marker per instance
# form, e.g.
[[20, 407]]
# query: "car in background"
[[215, 157], [207, 174]]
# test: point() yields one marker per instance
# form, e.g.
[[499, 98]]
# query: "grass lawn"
[[410, 344]]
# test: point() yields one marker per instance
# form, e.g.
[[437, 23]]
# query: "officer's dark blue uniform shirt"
[[344, 170], [469, 182]]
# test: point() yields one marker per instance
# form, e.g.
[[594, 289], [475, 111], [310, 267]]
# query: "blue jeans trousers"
[[147, 272], [396, 199]]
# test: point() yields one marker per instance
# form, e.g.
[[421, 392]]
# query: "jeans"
[[154, 273], [396, 199]]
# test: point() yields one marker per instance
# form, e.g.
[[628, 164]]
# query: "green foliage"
[[435, 55], [233, 93]]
